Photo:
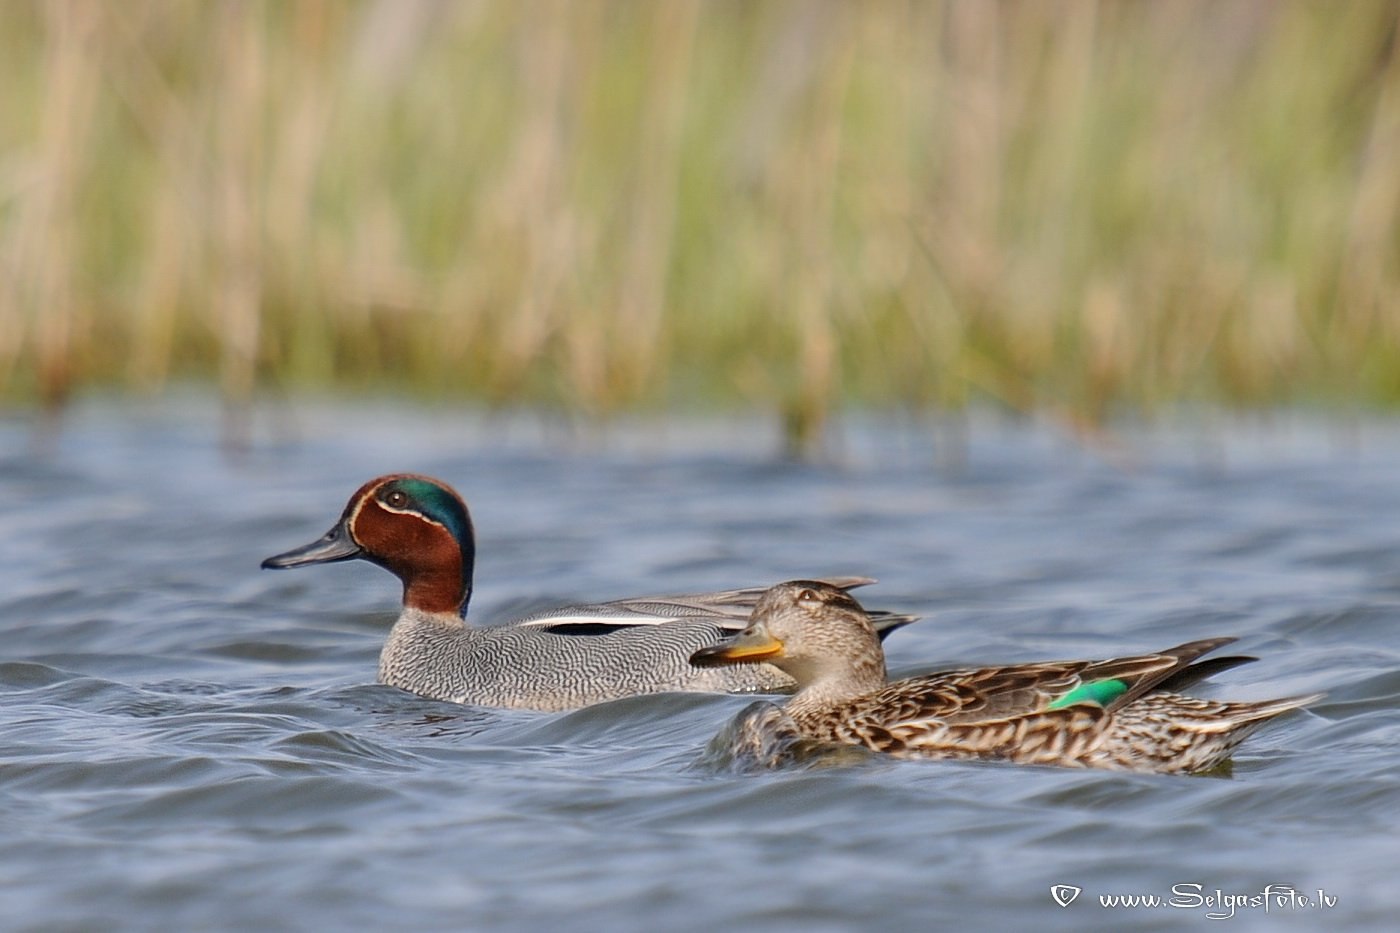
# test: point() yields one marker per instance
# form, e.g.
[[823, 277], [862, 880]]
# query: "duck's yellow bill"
[[747, 647]]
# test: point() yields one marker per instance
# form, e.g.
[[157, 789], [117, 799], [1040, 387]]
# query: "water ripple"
[[191, 743]]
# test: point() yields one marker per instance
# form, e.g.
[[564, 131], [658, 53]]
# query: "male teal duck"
[[419, 529], [1121, 714]]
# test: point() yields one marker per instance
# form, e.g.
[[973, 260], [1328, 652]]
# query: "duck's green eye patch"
[[434, 503], [1100, 693]]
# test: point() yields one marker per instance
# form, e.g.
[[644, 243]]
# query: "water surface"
[[192, 743]]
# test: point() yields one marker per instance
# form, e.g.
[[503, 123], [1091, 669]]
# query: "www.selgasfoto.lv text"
[[1220, 904]]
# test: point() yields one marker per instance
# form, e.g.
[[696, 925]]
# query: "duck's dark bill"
[[742, 649], [335, 545]]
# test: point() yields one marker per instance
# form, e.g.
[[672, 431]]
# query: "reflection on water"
[[189, 742], [763, 737]]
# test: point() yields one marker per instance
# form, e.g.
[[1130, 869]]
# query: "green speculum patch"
[[1100, 693]]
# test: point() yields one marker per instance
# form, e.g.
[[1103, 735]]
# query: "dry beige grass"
[[1075, 207]]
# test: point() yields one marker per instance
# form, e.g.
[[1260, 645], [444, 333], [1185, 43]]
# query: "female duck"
[[1122, 714], [419, 529]]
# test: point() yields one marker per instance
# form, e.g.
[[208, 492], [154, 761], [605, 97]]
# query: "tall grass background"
[[1080, 208]]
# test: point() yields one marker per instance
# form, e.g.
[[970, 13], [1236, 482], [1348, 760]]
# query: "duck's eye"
[[396, 498], [808, 597]]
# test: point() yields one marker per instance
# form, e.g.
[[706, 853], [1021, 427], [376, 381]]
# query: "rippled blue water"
[[191, 743]]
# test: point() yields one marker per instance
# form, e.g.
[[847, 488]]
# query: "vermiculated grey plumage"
[[579, 655], [419, 529]]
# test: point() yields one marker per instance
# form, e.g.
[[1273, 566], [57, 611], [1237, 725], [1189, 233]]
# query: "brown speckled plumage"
[[1127, 716]]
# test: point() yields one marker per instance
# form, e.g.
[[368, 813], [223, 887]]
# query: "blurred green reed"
[[1069, 207]]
